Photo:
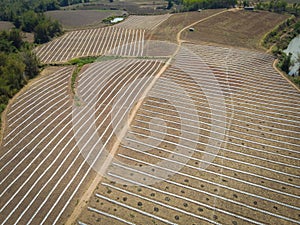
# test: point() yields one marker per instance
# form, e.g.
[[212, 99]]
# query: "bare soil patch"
[[167, 30], [140, 7], [71, 19], [235, 28], [5, 25]]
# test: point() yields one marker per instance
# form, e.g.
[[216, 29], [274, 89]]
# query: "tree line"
[[17, 64], [278, 6], [10, 9], [192, 5], [28, 16]]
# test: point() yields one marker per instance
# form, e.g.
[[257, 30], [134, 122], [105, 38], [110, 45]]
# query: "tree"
[[31, 64], [13, 72], [55, 28], [298, 61], [6, 46], [277, 6], [170, 4], [64, 2], [46, 29], [16, 38], [198, 4], [296, 7], [29, 21], [286, 62], [41, 33], [10, 41], [246, 3]]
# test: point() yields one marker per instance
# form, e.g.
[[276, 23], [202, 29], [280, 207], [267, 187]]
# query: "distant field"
[[93, 42], [235, 28], [141, 7], [4, 25], [144, 22], [166, 31], [82, 18]]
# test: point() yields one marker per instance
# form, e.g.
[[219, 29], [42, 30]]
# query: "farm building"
[[249, 8]]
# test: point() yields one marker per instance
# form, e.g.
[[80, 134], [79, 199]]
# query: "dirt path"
[[179, 41], [88, 193]]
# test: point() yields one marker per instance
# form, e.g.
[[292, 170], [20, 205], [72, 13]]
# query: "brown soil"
[[224, 184], [235, 28], [167, 30], [76, 19]]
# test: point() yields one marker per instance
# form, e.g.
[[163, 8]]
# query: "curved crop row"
[[213, 143], [56, 145], [92, 42], [35, 122], [143, 22]]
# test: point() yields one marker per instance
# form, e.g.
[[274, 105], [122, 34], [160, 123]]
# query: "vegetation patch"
[[29, 17], [281, 35], [79, 62], [192, 5], [17, 64], [278, 40], [71, 19]]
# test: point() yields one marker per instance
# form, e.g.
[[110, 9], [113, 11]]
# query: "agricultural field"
[[168, 29], [39, 155], [92, 42], [222, 149], [133, 7], [143, 22], [75, 19], [124, 39], [162, 129], [235, 28]]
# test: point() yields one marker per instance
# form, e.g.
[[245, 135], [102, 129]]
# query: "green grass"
[[84, 60], [79, 62]]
